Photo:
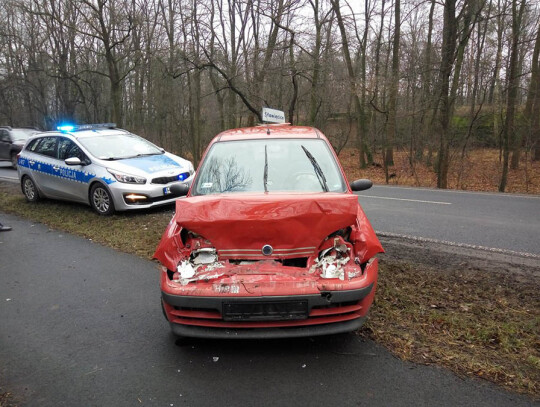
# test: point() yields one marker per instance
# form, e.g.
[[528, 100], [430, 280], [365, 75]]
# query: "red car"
[[269, 242]]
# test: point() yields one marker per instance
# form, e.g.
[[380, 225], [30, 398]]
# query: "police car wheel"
[[101, 200], [30, 190]]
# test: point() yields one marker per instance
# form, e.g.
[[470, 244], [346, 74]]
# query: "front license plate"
[[265, 311], [166, 191]]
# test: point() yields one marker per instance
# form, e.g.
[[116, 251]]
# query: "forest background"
[[422, 92]]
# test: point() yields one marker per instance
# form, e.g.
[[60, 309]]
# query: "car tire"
[[29, 189], [101, 200], [14, 161]]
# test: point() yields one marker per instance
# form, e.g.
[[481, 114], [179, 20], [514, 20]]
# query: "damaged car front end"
[[268, 261]]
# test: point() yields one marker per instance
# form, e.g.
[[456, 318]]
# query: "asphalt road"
[[492, 220], [7, 173], [81, 325]]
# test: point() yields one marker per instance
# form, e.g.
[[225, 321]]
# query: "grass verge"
[[474, 322]]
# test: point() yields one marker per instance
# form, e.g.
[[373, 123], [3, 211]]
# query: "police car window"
[[47, 146], [32, 145], [64, 144]]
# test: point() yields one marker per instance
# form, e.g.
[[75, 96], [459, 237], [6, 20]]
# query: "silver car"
[[108, 168]]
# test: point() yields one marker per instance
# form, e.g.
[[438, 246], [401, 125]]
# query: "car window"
[[273, 165], [47, 146], [4, 135], [33, 144], [68, 149]]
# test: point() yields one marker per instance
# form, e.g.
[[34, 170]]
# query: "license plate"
[[265, 311], [166, 191]]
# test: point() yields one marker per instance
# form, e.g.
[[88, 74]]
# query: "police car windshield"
[[118, 146], [272, 165]]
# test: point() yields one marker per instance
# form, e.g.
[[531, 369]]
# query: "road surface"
[[81, 325], [7, 173], [502, 221]]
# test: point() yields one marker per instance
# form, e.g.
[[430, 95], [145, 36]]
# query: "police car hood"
[[151, 165], [241, 224]]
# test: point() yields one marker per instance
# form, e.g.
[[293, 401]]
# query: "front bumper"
[[154, 192], [333, 306]]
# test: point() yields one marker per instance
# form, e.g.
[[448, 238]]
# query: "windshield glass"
[[273, 165], [118, 146], [22, 134]]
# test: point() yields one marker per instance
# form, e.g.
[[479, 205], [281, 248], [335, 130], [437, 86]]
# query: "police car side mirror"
[[179, 189], [73, 161], [361, 184]]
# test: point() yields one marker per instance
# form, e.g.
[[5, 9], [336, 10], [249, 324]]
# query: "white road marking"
[[459, 191], [403, 199], [456, 244]]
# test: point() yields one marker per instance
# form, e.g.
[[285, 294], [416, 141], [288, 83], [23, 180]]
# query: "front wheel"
[[101, 200], [30, 190]]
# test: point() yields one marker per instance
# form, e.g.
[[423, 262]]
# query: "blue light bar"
[[95, 126], [65, 127]]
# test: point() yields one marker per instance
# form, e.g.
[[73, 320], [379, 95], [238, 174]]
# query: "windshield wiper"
[[265, 176], [317, 168], [141, 155]]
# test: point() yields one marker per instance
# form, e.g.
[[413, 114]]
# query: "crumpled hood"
[[239, 225]]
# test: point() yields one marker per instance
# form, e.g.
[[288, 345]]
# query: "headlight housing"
[[127, 178], [191, 169]]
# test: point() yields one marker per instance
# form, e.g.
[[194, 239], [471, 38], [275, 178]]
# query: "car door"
[[71, 181], [5, 144], [42, 162]]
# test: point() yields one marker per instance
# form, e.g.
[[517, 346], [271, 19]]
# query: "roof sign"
[[272, 115]]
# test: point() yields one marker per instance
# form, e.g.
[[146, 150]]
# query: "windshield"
[[118, 146], [272, 165], [22, 134]]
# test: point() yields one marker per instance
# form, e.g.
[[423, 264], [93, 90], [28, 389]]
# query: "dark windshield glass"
[[118, 146], [275, 165]]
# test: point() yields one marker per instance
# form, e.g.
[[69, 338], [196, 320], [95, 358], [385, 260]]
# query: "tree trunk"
[[392, 98], [352, 80], [513, 80]]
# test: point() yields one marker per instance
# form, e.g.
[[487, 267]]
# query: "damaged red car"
[[269, 242]]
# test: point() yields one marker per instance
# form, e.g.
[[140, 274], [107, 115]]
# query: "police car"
[[98, 164]]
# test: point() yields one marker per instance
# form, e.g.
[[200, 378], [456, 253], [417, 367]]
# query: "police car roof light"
[[79, 127]]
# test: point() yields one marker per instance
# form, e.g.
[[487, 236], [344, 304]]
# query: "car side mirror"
[[73, 161], [179, 189], [361, 184]]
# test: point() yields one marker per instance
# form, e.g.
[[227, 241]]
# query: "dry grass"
[[477, 323], [136, 233], [480, 171]]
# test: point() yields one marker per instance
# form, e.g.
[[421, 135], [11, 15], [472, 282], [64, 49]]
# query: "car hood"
[[239, 225], [150, 165]]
